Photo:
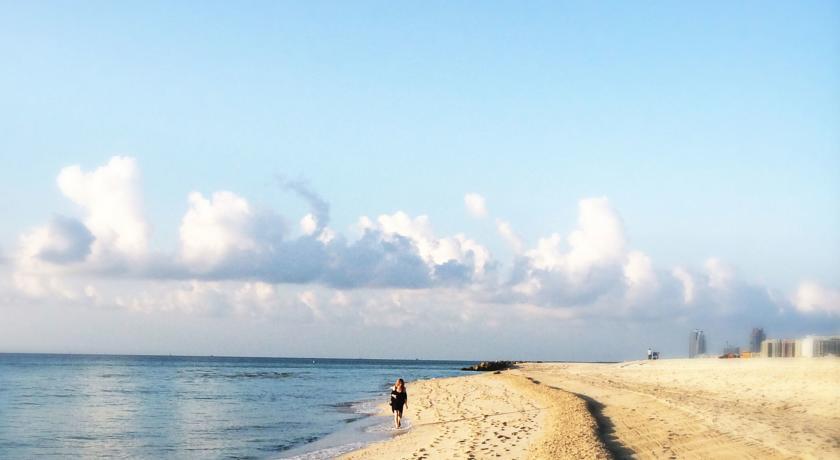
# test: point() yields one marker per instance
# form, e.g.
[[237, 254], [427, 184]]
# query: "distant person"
[[650, 353], [399, 399]]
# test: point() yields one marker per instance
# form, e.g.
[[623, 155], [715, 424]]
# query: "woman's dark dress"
[[398, 399]]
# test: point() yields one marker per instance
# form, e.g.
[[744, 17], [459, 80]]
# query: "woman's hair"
[[400, 383]]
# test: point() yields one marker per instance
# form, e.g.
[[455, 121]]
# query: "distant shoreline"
[[145, 355], [304, 358]]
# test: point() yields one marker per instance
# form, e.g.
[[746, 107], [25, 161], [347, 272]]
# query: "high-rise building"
[[756, 338], [696, 343]]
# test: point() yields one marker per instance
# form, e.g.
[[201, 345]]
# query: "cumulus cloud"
[[223, 226], [224, 238], [598, 241], [434, 251], [235, 257], [111, 199], [589, 271], [593, 272], [475, 205], [64, 240], [586, 268], [811, 297], [687, 282], [639, 276]]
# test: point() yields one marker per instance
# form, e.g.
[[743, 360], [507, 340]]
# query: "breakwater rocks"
[[485, 366]]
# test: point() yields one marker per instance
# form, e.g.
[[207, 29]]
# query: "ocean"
[[197, 407]]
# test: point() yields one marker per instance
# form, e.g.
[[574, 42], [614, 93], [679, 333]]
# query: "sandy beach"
[[704, 408]]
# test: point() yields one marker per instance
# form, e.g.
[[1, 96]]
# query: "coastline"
[[745, 408], [491, 415], [51, 405]]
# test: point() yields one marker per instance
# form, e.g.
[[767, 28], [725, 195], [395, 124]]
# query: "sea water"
[[196, 407]]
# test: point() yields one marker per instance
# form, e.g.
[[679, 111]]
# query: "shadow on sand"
[[606, 429]]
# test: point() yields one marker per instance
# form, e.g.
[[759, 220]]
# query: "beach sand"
[[491, 416], [702, 408]]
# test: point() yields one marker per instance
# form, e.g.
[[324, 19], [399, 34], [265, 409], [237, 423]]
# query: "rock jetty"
[[485, 366]]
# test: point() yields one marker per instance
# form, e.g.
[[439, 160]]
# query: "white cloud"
[[687, 282], [45, 286], [590, 271], [308, 224], [236, 258], [63, 240], [226, 224], [639, 275], [506, 232], [327, 235], [475, 205], [433, 250], [598, 240], [548, 254], [720, 274], [811, 297], [310, 299], [111, 197]]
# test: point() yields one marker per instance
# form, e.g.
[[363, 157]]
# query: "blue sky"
[[710, 128]]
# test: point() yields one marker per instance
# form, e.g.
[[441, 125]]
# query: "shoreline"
[[670, 408], [491, 415], [370, 427]]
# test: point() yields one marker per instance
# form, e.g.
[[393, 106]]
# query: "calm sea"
[[196, 407]]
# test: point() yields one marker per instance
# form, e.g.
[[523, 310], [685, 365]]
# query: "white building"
[[809, 347], [815, 346]]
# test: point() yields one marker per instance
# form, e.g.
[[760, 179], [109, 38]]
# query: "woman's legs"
[[397, 418]]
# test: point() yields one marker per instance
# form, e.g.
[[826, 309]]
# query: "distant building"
[[731, 350], [756, 337], [696, 343], [779, 348], [770, 348], [809, 347], [813, 346]]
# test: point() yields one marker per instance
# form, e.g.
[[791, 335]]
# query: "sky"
[[442, 180]]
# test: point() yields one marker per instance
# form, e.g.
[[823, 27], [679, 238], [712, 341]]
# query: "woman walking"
[[399, 398]]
